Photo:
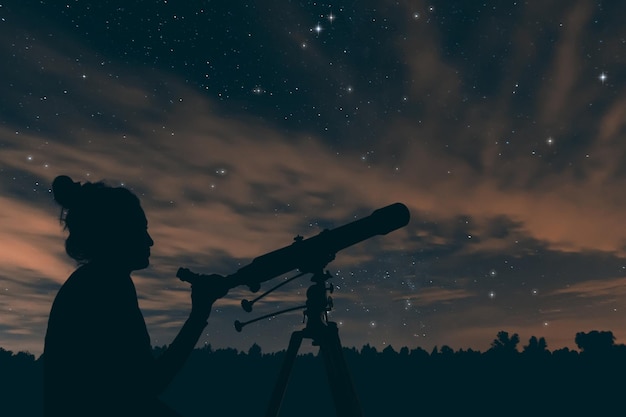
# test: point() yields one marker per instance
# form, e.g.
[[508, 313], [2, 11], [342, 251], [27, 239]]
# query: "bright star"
[[602, 77], [318, 28]]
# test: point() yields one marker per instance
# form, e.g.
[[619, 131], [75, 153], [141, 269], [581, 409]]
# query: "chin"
[[141, 265]]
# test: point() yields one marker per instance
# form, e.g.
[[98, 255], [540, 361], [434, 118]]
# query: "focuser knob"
[[246, 305], [238, 325]]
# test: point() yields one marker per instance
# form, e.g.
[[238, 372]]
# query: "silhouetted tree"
[[505, 344], [5, 355], [446, 351], [595, 342], [388, 352], [564, 354], [536, 346], [419, 353], [255, 351], [368, 351]]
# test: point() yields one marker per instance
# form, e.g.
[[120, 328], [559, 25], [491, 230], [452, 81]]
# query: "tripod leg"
[[283, 376], [339, 379]]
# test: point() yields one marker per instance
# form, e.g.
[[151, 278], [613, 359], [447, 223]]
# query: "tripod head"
[[317, 306]]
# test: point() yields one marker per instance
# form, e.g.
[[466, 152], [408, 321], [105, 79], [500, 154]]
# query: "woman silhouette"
[[97, 356]]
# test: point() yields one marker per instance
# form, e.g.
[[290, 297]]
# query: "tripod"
[[325, 335]]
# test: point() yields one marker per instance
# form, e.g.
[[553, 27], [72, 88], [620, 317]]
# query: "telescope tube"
[[314, 253]]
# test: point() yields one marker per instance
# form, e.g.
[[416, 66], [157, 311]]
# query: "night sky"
[[500, 124]]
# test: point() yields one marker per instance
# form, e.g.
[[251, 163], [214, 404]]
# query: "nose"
[[150, 241]]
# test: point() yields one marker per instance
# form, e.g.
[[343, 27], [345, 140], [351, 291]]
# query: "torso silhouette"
[[97, 355]]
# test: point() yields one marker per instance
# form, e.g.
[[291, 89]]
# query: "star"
[[602, 77], [318, 28]]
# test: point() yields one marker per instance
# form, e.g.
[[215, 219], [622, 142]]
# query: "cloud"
[[428, 296], [611, 290], [219, 189], [560, 90]]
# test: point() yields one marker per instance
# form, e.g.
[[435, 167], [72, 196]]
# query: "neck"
[[110, 266]]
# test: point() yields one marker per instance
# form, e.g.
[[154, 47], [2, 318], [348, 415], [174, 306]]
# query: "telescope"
[[312, 254]]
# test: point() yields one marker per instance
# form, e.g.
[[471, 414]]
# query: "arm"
[[203, 295]]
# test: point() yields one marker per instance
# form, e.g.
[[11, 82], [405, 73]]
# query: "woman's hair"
[[95, 215]]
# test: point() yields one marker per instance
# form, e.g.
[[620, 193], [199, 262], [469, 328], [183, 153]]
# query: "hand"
[[205, 290]]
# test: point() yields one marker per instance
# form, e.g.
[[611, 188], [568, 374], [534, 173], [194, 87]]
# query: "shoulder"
[[91, 285]]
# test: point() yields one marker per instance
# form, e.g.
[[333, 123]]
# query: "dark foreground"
[[505, 380]]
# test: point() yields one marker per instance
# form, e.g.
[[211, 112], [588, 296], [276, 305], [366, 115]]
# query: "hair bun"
[[65, 191]]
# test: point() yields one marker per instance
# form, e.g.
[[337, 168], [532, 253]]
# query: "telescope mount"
[[324, 334]]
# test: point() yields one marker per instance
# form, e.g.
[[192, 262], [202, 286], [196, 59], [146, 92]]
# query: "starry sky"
[[501, 125]]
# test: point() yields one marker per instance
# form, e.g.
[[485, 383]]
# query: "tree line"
[[507, 379]]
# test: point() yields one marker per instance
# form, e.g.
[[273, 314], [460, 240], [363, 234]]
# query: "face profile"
[[131, 244]]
